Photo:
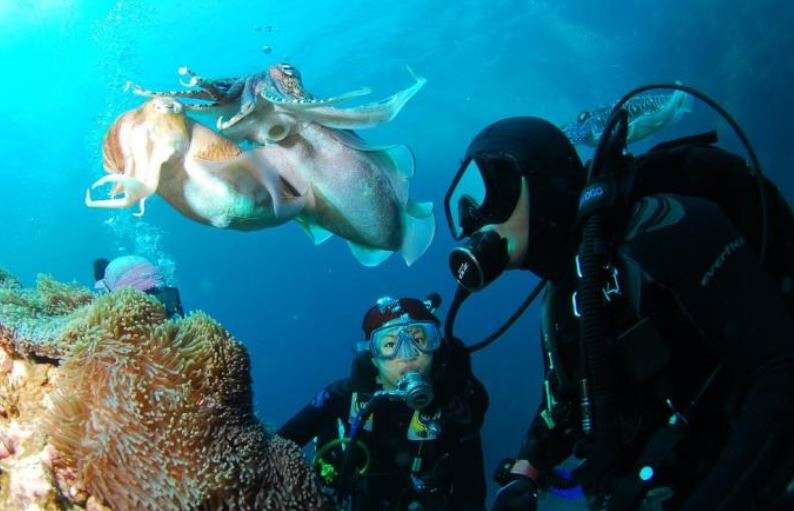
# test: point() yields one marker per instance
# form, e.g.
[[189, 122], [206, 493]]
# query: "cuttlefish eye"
[[164, 105], [584, 116]]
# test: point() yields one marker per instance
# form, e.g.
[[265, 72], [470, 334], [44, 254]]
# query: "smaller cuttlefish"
[[327, 180], [271, 105], [647, 115]]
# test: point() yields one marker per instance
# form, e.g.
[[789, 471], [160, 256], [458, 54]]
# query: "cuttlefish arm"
[[359, 117], [218, 89], [250, 97], [301, 104], [190, 94], [247, 104], [219, 92], [132, 189]]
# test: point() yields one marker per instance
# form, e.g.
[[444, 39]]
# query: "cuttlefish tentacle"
[[188, 94], [359, 117]]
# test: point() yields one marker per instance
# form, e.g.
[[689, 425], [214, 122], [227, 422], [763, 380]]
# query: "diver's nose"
[[408, 352]]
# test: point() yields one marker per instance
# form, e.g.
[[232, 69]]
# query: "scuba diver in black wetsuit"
[[666, 326], [139, 273], [402, 432]]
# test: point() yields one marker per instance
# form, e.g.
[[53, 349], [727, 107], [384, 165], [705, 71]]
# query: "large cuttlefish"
[[269, 106], [327, 180], [647, 114]]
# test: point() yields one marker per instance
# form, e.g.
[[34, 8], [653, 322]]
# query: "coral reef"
[[130, 410], [33, 322]]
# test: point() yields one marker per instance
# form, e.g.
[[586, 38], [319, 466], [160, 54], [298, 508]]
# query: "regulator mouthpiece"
[[415, 390], [480, 260]]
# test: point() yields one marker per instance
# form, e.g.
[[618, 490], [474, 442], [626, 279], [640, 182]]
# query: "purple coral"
[[130, 271]]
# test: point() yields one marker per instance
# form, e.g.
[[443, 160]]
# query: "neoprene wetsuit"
[[450, 466], [694, 302]]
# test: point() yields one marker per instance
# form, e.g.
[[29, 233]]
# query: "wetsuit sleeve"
[[318, 416], [687, 246], [542, 447]]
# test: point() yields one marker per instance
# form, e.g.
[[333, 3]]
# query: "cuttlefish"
[[329, 181], [269, 106], [647, 114]]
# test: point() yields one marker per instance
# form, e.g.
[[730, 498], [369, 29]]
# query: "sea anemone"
[[32, 321], [134, 411], [156, 414]]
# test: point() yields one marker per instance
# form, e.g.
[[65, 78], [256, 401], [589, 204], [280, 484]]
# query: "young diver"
[[414, 410], [139, 273], [689, 405]]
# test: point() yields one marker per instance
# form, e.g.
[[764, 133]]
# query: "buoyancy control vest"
[[694, 166]]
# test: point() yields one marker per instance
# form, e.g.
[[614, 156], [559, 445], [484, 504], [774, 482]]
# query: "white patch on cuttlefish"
[[212, 198]]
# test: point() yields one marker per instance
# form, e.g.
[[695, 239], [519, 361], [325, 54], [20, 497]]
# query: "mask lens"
[[384, 342], [405, 340], [466, 199]]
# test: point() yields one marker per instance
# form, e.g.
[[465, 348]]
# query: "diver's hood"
[[363, 374], [537, 150]]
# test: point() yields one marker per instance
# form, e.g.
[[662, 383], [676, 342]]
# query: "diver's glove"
[[519, 494]]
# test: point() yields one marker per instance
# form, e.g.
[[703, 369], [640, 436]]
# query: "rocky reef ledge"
[[107, 404]]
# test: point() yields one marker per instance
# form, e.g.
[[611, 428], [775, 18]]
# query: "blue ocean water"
[[297, 307]]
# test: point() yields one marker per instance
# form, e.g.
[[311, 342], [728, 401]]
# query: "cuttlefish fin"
[[364, 116], [368, 256], [401, 154], [419, 230], [419, 227], [317, 234], [397, 161]]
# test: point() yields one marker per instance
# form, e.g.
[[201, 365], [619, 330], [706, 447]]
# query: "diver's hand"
[[520, 494]]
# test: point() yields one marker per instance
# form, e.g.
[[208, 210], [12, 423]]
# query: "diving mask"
[[404, 340], [485, 191]]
